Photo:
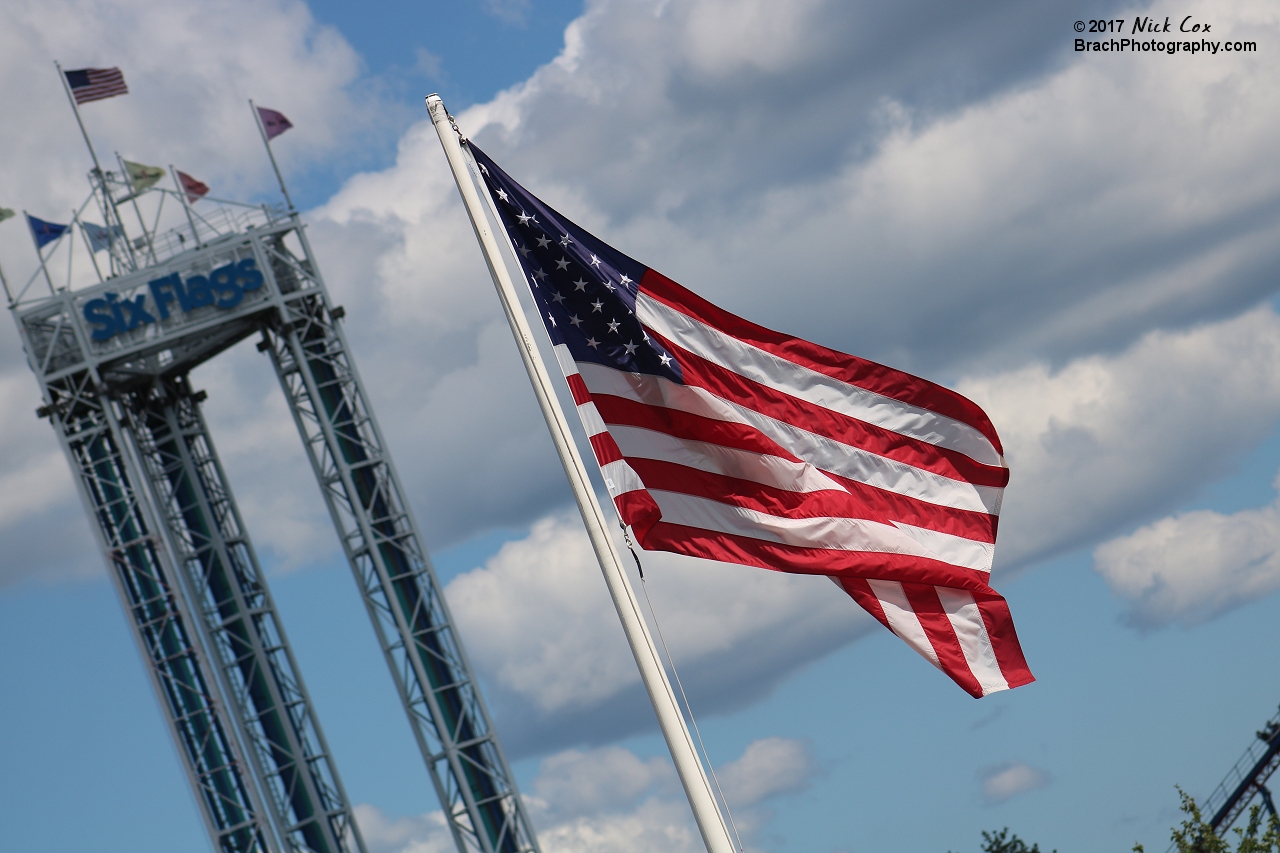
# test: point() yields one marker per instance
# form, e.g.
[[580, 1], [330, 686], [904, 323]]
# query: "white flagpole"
[[40, 253], [262, 129], [108, 203], [186, 205], [715, 835]]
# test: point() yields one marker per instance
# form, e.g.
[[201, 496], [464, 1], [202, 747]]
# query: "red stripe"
[[639, 510], [84, 94], [605, 448], [965, 523], [578, 388], [846, 368], [875, 503], [748, 494], [941, 634], [748, 551], [681, 424], [860, 591], [781, 406], [1004, 639], [1008, 653]]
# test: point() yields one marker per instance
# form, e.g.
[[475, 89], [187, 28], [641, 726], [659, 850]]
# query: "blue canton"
[[585, 290]]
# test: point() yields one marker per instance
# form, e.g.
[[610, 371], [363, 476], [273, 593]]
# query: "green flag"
[[6, 213], [142, 176]]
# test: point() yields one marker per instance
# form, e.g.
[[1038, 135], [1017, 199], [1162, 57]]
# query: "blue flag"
[[45, 232], [100, 237]]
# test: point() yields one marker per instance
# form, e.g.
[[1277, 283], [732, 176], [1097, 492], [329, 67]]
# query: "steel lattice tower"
[[113, 362]]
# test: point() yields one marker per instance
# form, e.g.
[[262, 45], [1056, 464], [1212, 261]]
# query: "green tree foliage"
[[1197, 836], [1003, 842]]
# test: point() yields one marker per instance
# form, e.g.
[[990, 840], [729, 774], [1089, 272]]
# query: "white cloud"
[[610, 800], [950, 212], [1033, 225], [655, 826], [540, 625], [573, 782], [767, 767], [1106, 440], [426, 833], [1008, 780], [1194, 566], [509, 11]]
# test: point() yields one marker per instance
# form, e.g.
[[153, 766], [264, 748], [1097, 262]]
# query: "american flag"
[[721, 439], [94, 84]]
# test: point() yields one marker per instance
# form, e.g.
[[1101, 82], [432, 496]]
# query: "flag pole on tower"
[[75, 108], [95, 84], [266, 140], [711, 824]]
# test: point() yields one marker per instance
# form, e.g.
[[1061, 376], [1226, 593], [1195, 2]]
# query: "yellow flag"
[[143, 176]]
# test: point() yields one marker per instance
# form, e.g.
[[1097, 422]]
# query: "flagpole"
[[715, 835], [108, 203], [257, 117], [75, 108], [4, 281], [133, 198], [88, 244], [40, 254], [186, 205]]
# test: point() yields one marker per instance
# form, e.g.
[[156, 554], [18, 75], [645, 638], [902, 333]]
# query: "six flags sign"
[[224, 288]]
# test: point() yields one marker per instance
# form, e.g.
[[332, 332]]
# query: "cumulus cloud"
[[944, 208], [427, 833], [1005, 781], [539, 624], [1107, 440], [574, 782], [1194, 566], [767, 767], [610, 800], [955, 236]]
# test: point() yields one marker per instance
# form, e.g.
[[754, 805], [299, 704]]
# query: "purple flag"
[[273, 123]]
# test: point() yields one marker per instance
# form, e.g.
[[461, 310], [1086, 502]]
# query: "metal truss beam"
[[1247, 779], [225, 584], [179, 554], [401, 593], [142, 570]]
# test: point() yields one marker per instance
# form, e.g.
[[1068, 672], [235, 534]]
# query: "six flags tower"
[[113, 361]]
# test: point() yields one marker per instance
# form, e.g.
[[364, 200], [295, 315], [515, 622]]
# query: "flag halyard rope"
[[688, 709]]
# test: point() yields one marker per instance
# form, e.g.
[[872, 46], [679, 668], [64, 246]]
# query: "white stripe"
[[965, 618], [565, 359], [619, 478], [591, 420], [773, 471], [952, 549], [841, 534], [811, 386], [825, 453], [902, 619]]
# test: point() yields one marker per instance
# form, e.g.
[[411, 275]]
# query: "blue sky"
[[1085, 244]]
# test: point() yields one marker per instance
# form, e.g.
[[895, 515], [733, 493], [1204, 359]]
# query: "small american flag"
[[721, 439], [94, 84]]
